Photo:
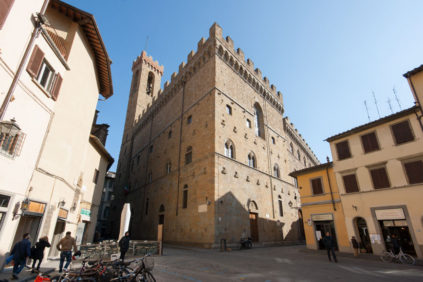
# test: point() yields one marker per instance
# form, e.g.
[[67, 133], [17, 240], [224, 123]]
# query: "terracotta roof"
[[89, 26], [311, 169], [412, 72], [373, 123]]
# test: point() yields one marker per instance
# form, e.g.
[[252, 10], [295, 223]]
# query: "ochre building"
[[209, 155]]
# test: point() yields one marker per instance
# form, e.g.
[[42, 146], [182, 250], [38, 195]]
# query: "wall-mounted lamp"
[[61, 203]]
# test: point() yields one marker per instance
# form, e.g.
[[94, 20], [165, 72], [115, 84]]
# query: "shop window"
[[402, 132], [350, 183], [185, 197], [414, 171], [369, 142], [379, 178], [188, 155], [316, 186], [343, 150]]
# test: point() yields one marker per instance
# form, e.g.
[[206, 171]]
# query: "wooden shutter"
[[317, 186], [414, 171], [5, 6], [56, 87], [343, 150], [350, 183], [369, 142], [402, 132], [35, 61], [379, 178]]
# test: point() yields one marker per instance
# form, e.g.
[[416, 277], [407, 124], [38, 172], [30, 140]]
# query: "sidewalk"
[[25, 275]]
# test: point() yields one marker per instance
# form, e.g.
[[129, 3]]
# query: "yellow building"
[[321, 206]]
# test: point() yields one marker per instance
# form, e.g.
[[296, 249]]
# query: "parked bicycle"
[[139, 270], [389, 256]]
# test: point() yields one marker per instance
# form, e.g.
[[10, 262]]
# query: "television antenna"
[[367, 109], [390, 106], [396, 97], [377, 108]]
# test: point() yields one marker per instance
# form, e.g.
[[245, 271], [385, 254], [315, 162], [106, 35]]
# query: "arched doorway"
[[253, 209], [363, 234]]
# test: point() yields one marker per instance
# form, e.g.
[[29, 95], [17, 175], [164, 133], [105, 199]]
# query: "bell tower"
[[145, 85]]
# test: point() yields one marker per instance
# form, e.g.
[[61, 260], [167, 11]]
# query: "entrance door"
[[57, 235], [28, 224], [398, 228], [363, 233], [321, 228], [254, 227]]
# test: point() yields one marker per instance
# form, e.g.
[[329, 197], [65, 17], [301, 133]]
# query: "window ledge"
[[41, 88]]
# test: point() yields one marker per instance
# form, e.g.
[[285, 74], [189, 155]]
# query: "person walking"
[[21, 251], [124, 245], [65, 247], [395, 244], [355, 246], [330, 246], [39, 253]]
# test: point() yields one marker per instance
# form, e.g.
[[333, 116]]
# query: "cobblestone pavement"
[[289, 263]]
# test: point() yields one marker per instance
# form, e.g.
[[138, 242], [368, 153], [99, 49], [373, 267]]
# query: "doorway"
[[321, 227], [400, 229], [363, 234], [28, 224], [254, 227], [57, 235]]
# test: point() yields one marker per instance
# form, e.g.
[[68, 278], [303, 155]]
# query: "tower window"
[[280, 206], [169, 135], [189, 119], [252, 160], [185, 197], [150, 83], [248, 123], [258, 121], [188, 155], [228, 109], [273, 140], [229, 149], [135, 80]]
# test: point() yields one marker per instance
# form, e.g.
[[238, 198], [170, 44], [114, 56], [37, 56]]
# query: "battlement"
[[149, 61]]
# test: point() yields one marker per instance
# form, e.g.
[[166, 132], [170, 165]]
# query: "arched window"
[[135, 80], [150, 83], [185, 197], [291, 148], [258, 120], [298, 155], [168, 167], [276, 172], [305, 162], [229, 149], [280, 205], [188, 155], [161, 209], [252, 162]]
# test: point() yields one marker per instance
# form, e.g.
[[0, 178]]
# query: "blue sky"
[[326, 57]]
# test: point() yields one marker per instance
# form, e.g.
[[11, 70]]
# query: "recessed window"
[[258, 121], [228, 110], [188, 155], [291, 148], [305, 162], [350, 183], [280, 206], [316, 186], [135, 80], [369, 142], [295, 182], [252, 160], [4, 201], [150, 83], [379, 178], [276, 171], [95, 178], [414, 171], [273, 140], [185, 197], [189, 119], [169, 135], [248, 123], [402, 132], [298, 155], [343, 150], [45, 77]]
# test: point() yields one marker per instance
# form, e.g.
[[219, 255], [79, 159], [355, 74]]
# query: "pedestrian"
[[330, 246], [65, 247], [38, 253], [21, 251], [355, 245], [124, 245], [395, 244]]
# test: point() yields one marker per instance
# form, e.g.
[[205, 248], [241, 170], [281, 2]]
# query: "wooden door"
[[254, 227]]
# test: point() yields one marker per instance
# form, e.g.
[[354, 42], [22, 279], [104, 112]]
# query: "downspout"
[[37, 29], [419, 118], [180, 145], [330, 186]]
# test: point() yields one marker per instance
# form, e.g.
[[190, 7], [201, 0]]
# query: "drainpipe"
[[330, 186], [180, 146], [37, 29]]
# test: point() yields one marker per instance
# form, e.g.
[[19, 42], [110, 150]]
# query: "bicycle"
[[141, 271], [389, 256]]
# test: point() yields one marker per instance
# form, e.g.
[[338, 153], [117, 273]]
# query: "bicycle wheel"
[[407, 259], [148, 277], [386, 257]]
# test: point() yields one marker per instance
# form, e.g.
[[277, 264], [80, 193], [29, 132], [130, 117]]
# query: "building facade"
[[209, 155], [321, 207], [379, 171], [53, 65], [104, 225]]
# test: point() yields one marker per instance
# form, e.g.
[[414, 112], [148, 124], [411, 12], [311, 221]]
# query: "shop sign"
[[85, 215], [390, 214], [322, 217], [35, 207], [63, 214]]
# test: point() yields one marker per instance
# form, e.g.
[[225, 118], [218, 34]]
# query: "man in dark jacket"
[[124, 245], [20, 252], [330, 246]]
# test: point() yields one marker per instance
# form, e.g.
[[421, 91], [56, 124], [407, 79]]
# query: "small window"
[[343, 150], [146, 206], [316, 186], [369, 142], [305, 162], [229, 149], [291, 148], [228, 110], [4, 201], [298, 155], [379, 178], [276, 171], [188, 155], [168, 167], [273, 140], [402, 132], [350, 183], [280, 206], [185, 197], [169, 135], [96, 173], [414, 171], [248, 123], [45, 76], [189, 119], [252, 160]]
